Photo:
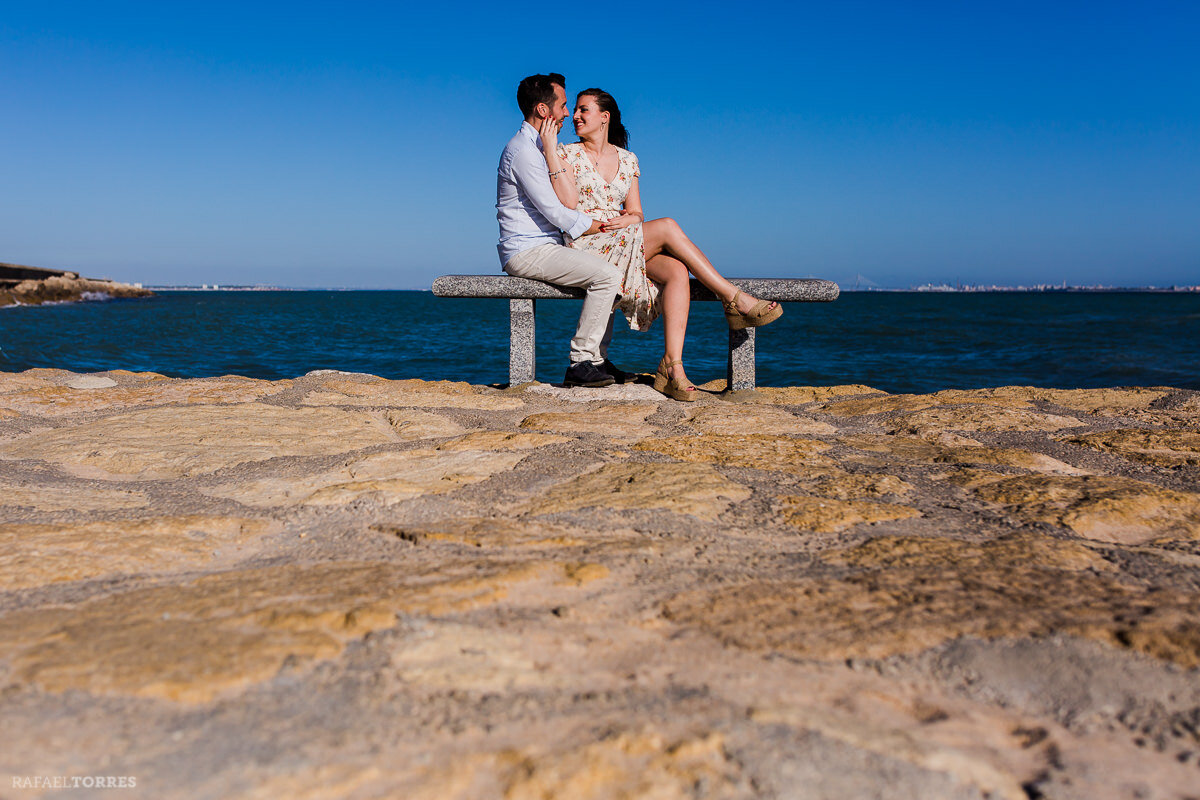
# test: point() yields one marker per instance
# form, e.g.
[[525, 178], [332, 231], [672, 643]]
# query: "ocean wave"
[[85, 297]]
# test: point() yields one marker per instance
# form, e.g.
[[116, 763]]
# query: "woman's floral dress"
[[602, 200]]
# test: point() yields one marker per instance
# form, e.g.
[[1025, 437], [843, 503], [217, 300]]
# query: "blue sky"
[[322, 144]]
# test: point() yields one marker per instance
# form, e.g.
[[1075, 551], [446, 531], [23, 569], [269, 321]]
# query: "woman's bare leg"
[[665, 236], [675, 298]]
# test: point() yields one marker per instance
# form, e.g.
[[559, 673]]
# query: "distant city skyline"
[[314, 144]]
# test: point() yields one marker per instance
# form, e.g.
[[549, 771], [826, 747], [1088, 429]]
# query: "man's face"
[[559, 110]]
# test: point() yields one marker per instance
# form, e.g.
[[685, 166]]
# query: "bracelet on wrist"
[[560, 172]]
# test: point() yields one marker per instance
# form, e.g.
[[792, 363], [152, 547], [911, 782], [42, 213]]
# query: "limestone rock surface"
[[618, 422], [182, 442], [755, 450], [407, 394], [695, 489], [387, 477], [40, 554], [729, 420], [345, 586], [825, 514], [56, 400], [1158, 447]]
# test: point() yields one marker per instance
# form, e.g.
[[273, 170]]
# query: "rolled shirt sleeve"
[[532, 177]]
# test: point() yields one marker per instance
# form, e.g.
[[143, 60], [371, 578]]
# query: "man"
[[531, 223]]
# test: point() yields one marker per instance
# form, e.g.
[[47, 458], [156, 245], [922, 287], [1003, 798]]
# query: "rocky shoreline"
[[344, 586], [66, 288]]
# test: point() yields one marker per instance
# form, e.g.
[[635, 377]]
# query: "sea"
[[894, 341]]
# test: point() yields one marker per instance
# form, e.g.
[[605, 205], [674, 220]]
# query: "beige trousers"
[[555, 263]]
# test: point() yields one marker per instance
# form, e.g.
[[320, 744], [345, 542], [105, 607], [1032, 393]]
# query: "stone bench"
[[523, 293]]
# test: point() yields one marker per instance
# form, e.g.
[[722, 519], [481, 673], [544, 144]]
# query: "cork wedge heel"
[[763, 312], [664, 383]]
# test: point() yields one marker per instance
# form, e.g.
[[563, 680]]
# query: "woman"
[[656, 255]]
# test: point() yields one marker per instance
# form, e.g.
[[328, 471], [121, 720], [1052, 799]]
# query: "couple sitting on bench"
[[544, 188]]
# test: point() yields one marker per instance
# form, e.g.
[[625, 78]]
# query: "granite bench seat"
[[523, 293]]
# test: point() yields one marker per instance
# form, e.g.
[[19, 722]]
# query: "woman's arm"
[[633, 210], [562, 177]]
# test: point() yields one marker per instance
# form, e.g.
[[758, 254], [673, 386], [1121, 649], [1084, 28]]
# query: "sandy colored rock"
[[411, 424], [800, 395], [827, 515], [1101, 402], [321, 782], [627, 392], [67, 288], [918, 449], [91, 382], [555, 613], [36, 555], [695, 489], [386, 478], [502, 440], [800, 457], [846, 485], [915, 593], [23, 381], [866, 406], [57, 497], [1107, 509], [227, 631], [641, 764], [615, 421], [756, 451], [980, 418], [935, 553], [163, 443], [450, 656], [968, 477], [60, 400], [409, 394], [1157, 447], [493, 532], [729, 419], [1190, 408]]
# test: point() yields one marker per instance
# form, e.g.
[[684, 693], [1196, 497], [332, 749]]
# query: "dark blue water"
[[899, 342]]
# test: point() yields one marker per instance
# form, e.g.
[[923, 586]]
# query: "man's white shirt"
[[529, 212]]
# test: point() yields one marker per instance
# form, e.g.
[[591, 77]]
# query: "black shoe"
[[585, 373], [619, 375]]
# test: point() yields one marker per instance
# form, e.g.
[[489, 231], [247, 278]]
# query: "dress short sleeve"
[[633, 163]]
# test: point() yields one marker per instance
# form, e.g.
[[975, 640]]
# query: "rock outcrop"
[[345, 586], [65, 288]]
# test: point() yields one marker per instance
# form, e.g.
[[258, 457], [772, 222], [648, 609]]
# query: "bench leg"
[[522, 350], [741, 359]]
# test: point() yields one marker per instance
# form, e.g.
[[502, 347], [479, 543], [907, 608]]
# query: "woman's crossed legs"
[[675, 298], [664, 235], [670, 256]]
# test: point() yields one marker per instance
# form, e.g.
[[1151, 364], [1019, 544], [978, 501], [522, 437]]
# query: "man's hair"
[[538, 89]]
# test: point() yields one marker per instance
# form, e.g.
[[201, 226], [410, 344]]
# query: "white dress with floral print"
[[602, 200]]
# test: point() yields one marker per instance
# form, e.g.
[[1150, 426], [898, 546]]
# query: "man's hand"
[[548, 131], [617, 223]]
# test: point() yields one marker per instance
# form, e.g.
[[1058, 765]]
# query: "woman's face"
[[588, 117]]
